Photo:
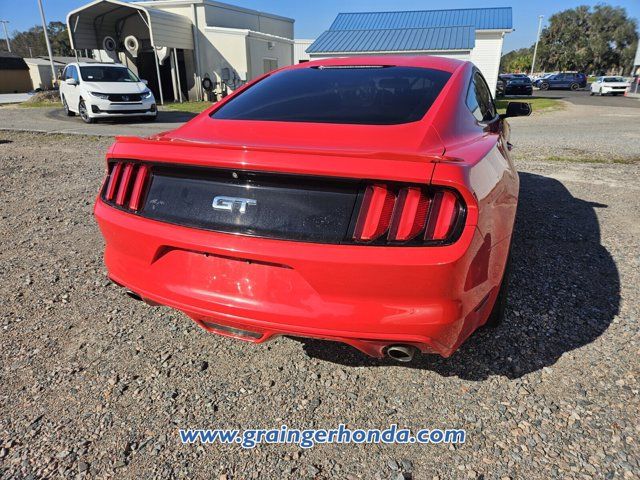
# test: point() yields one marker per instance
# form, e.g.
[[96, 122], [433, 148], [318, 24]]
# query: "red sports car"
[[365, 200]]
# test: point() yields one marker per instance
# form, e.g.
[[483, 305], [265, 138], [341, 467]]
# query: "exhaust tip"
[[401, 353], [133, 295]]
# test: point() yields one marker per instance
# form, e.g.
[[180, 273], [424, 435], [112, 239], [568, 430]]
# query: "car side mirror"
[[517, 109], [71, 81], [146, 82]]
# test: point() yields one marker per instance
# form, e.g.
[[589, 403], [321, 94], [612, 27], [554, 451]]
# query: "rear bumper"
[[254, 289]]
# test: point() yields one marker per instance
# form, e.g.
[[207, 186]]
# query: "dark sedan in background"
[[518, 84]]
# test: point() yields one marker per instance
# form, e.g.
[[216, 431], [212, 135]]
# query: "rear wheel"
[[84, 114], [544, 86], [574, 86], [496, 317], [591, 93]]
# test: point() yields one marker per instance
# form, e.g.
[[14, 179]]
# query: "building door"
[[146, 65], [269, 64]]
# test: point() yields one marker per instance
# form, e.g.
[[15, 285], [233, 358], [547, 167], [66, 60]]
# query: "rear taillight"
[[408, 215], [126, 184], [375, 213]]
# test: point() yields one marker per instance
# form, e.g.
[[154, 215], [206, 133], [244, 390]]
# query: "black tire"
[[544, 86], [496, 317], [67, 112], [591, 93], [574, 86], [84, 115], [600, 92]]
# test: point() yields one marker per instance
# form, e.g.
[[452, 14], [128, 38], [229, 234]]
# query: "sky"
[[313, 17]]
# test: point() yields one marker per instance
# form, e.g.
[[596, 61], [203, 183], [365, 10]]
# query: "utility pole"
[[46, 38], [535, 49], [6, 35]]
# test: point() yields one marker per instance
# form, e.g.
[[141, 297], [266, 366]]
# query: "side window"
[[64, 73], [479, 99], [472, 101], [74, 73], [484, 98]]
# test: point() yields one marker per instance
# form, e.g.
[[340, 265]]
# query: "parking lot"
[[582, 97], [95, 384]]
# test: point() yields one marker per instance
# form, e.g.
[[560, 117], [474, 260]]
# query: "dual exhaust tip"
[[400, 353]]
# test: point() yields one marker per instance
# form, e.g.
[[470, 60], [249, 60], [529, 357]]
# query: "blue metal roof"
[[420, 30], [395, 40], [499, 18]]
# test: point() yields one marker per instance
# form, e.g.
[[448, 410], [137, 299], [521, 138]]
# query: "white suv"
[[105, 90]]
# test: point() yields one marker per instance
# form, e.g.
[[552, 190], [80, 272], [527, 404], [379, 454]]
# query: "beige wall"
[[224, 49], [15, 81], [227, 16], [259, 51], [40, 76]]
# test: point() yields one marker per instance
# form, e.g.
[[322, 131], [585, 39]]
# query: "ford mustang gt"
[[366, 200]]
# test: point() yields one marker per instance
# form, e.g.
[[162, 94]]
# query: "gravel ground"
[[580, 132], [95, 385]]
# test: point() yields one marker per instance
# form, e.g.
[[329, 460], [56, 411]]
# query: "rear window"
[[353, 95]]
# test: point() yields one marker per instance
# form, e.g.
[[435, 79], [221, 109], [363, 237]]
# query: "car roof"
[[421, 61]]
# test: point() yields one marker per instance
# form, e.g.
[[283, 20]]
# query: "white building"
[[474, 34], [300, 50], [191, 48]]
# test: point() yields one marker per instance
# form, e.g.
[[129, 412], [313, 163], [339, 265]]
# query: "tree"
[[517, 61], [31, 43], [597, 40]]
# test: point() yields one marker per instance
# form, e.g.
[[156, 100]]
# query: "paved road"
[[53, 120], [14, 97], [582, 97]]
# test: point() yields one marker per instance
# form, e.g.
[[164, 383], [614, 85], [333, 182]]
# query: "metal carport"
[[90, 24]]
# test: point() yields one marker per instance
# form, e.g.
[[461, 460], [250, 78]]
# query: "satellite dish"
[[132, 45], [163, 54]]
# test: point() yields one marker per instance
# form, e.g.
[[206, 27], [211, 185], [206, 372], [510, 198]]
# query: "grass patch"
[[582, 159], [30, 104], [46, 98], [191, 107], [538, 104]]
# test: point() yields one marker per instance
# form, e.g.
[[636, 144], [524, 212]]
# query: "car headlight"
[[103, 96], [147, 94]]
